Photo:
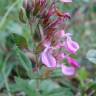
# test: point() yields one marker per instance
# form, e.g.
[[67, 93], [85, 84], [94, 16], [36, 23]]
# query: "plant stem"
[[37, 80], [37, 87], [6, 84], [4, 75], [7, 13]]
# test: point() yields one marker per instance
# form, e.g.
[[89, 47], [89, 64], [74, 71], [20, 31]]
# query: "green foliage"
[[61, 92], [24, 61], [15, 39], [16, 35], [23, 86]]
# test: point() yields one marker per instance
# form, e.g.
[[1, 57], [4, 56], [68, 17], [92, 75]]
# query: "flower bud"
[[28, 6]]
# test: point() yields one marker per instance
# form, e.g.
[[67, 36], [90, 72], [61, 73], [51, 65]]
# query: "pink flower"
[[71, 45], [58, 38], [60, 34], [53, 61], [64, 40], [47, 58], [69, 71], [52, 57], [50, 61], [73, 62], [60, 57], [54, 40], [66, 1]]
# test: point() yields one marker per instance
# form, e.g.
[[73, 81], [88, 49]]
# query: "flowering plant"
[[55, 44]]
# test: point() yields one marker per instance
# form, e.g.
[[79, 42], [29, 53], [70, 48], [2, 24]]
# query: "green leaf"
[[61, 92], [94, 8], [1, 64], [16, 39], [57, 72], [91, 55], [51, 88], [23, 86], [48, 86], [83, 74], [7, 72], [24, 61], [1, 81], [93, 85], [5, 68]]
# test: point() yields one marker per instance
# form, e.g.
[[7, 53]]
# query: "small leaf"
[[91, 55], [15, 39]]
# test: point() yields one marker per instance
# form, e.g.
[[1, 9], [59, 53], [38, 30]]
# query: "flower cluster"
[[55, 44], [53, 55]]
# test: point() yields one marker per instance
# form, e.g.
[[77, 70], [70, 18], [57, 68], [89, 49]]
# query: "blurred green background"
[[83, 27]]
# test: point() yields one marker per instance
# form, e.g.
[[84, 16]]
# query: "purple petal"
[[71, 45], [46, 43], [61, 56], [73, 62], [66, 1], [69, 71], [60, 34], [47, 58]]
